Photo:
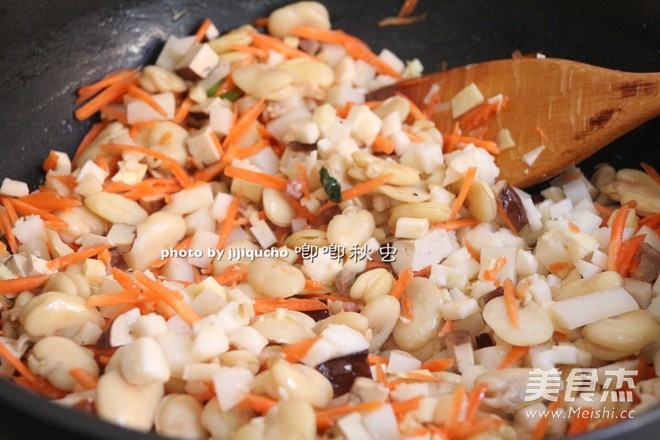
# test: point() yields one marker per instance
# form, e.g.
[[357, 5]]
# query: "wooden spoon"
[[573, 109]]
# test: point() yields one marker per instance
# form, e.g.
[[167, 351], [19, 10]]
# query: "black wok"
[[49, 48]]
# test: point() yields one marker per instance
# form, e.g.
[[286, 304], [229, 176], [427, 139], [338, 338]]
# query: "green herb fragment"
[[232, 95], [214, 88], [331, 186]]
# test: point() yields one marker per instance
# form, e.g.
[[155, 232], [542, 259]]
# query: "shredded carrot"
[[27, 209], [228, 224], [447, 328], [542, 426], [6, 226], [165, 138], [463, 193], [481, 113], [473, 253], [111, 299], [114, 114], [375, 359], [140, 94], [405, 406], [456, 224], [407, 8], [616, 236], [579, 423], [250, 150], [453, 140], [244, 122], [475, 397], [267, 180], [653, 174], [50, 162], [381, 375], [382, 145], [201, 32], [263, 305], [510, 300], [573, 227], [168, 161], [412, 137], [38, 383], [327, 417], [294, 352], [491, 274], [456, 406], [123, 279], [271, 43], [315, 286], [88, 139], [16, 285], [652, 221], [84, 378], [628, 250], [47, 201], [259, 404], [104, 98], [402, 282], [435, 365], [559, 266], [517, 353], [113, 78], [402, 21], [169, 297], [183, 110], [354, 47], [425, 272], [406, 308], [254, 51], [75, 257], [302, 178]]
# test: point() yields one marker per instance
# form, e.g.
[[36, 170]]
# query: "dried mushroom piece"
[[649, 264], [510, 205], [342, 371]]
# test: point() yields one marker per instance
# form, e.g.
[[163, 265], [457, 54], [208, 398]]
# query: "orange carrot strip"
[[315, 285], [140, 94], [423, 272], [171, 163], [579, 423], [244, 122], [201, 32], [216, 142], [456, 406], [407, 8], [169, 297], [652, 221], [364, 187], [573, 227], [375, 359], [451, 141], [405, 406], [489, 146], [353, 45], [402, 21], [510, 300], [628, 250], [651, 172], [123, 279], [253, 149], [294, 352], [111, 299], [473, 253], [267, 180], [26, 209], [406, 308], [39, 383], [302, 178], [491, 274], [542, 426], [263, 305], [6, 227], [255, 51], [559, 266], [401, 283], [75, 257], [616, 236], [447, 328], [382, 145], [259, 404], [505, 218], [90, 136], [48, 201], [165, 138], [115, 114], [463, 193], [233, 274], [113, 78], [480, 114], [11, 212], [16, 285], [102, 99], [84, 378], [267, 42], [475, 397], [228, 224], [517, 353], [183, 110], [50, 162], [435, 365], [327, 417]]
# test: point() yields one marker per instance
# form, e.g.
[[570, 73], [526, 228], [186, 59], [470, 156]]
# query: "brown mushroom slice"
[[510, 204], [342, 371], [649, 264]]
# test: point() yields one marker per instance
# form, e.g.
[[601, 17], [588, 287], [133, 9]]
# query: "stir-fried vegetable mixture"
[[247, 247]]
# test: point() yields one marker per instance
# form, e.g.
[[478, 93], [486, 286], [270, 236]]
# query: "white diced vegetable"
[[466, 100], [584, 309]]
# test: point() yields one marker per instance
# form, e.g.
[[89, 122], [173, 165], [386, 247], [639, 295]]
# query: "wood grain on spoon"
[[573, 109]]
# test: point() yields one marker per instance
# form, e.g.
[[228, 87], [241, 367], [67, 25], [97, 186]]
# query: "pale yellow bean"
[[425, 300], [180, 416], [306, 13], [275, 278]]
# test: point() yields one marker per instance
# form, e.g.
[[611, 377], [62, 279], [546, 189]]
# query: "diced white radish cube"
[[466, 100]]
